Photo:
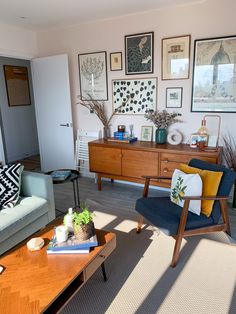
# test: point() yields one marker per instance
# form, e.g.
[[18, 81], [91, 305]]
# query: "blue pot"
[[161, 136]]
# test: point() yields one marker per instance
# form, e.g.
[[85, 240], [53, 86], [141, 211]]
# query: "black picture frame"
[[214, 77], [174, 97], [93, 75], [139, 51], [116, 61]]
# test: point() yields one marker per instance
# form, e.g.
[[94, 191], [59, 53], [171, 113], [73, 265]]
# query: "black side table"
[[73, 177]]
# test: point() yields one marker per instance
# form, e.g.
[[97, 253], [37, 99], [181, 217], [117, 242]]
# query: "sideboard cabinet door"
[[136, 163], [105, 160]]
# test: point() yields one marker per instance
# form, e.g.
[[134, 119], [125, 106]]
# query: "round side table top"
[[74, 175]]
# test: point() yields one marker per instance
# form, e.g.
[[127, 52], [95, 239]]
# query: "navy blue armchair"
[[178, 222]]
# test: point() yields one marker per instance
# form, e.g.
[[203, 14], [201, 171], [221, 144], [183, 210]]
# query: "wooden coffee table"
[[35, 282]]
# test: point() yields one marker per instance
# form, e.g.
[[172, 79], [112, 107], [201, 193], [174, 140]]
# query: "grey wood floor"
[[114, 195]]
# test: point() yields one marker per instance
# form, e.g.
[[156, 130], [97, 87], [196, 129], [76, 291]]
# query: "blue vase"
[[161, 136]]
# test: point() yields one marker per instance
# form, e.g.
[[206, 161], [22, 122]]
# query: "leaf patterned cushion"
[[183, 184]]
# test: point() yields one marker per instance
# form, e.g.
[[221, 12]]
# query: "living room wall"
[[204, 19]]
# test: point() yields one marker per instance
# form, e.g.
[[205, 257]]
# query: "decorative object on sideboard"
[[139, 53], [229, 153], [175, 137], [121, 128], [146, 133], [175, 57], [98, 108], [162, 120]]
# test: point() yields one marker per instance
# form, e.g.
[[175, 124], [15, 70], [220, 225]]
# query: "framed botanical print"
[[139, 53], [146, 133], [174, 97], [134, 96], [175, 57], [214, 75], [116, 61], [17, 85], [93, 75]]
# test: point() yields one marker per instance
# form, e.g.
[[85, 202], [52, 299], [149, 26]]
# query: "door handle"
[[67, 125]]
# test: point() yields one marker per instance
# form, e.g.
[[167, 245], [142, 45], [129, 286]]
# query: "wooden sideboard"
[[129, 162]]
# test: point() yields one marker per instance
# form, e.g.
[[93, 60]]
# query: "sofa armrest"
[[39, 184]]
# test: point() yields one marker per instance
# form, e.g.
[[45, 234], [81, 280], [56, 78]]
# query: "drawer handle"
[[166, 161], [165, 170], [103, 256]]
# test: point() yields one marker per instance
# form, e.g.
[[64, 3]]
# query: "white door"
[[53, 112]]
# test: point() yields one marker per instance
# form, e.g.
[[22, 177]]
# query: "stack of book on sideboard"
[[71, 246]]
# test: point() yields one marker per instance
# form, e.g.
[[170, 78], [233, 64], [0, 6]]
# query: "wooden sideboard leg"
[[112, 180], [99, 179]]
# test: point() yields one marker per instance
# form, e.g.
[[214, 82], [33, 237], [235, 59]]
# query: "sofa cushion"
[[10, 182], [27, 210]]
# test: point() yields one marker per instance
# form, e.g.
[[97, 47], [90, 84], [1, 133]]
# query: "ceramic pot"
[[161, 136], [84, 232]]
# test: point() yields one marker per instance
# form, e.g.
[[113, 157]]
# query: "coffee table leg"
[[104, 272]]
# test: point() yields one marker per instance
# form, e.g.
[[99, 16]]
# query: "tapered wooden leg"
[[99, 181], [139, 224], [175, 257], [225, 215]]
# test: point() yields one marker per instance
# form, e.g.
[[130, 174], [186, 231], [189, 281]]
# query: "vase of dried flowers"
[[98, 108], [162, 120]]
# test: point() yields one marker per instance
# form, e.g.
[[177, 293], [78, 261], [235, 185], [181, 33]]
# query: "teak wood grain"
[[129, 162], [35, 282]]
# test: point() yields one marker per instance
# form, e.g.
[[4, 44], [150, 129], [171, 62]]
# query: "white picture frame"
[[146, 133]]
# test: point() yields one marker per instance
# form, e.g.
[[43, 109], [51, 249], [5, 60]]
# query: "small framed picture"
[[193, 140], [116, 61], [175, 57], [146, 133], [174, 97]]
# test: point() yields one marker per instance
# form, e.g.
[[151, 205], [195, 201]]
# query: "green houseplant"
[[83, 224]]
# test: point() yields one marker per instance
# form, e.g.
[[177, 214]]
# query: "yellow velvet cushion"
[[210, 180]]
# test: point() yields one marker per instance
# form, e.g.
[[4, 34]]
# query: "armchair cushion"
[[161, 212], [183, 184], [210, 180], [226, 183]]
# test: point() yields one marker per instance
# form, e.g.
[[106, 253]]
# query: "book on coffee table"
[[78, 251], [72, 243]]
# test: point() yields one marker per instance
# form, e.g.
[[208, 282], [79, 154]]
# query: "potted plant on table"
[[83, 224], [162, 120]]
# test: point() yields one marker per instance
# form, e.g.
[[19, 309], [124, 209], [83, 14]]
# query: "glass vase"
[[161, 136], [106, 132]]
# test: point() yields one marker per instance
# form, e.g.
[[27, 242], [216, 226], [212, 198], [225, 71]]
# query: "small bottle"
[[68, 220]]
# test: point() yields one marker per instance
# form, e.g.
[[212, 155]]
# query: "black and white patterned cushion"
[[10, 180]]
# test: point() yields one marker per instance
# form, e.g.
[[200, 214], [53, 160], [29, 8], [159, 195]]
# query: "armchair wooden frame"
[[181, 233]]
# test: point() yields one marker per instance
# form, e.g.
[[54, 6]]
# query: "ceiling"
[[46, 14]]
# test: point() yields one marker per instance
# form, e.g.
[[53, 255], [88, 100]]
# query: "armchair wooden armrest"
[[211, 197], [147, 182]]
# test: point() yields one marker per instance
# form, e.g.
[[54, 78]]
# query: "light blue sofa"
[[34, 210]]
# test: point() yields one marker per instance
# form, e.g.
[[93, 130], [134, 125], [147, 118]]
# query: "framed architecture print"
[[214, 75], [139, 53], [93, 75], [175, 57], [174, 97], [17, 85], [116, 61], [146, 133], [134, 96]]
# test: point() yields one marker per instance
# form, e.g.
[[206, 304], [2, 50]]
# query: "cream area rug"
[[141, 281]]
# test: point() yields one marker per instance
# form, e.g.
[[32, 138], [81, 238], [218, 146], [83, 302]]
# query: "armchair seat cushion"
[[161, 212]]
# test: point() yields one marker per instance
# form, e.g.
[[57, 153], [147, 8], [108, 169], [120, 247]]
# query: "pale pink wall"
[[210, 18]]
